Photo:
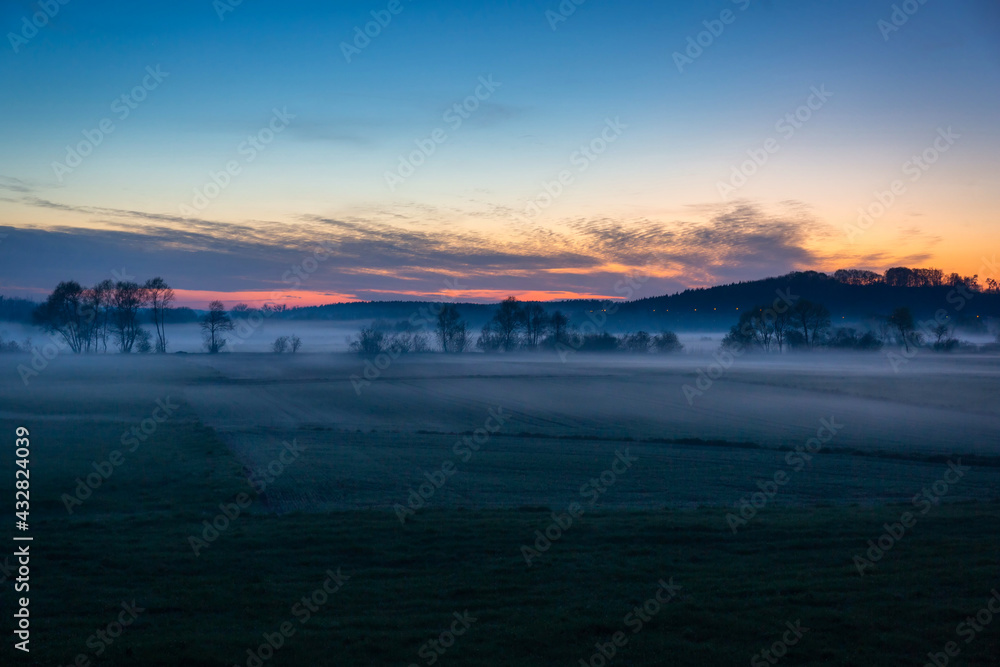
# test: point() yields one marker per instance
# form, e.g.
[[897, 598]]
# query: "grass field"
[[326, 514]]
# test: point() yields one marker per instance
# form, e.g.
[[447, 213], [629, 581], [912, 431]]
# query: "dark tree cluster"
[[909, 333], [12, 346], [858, 277], [901, 276], [16, 310], [290, 344], [773, 328], [374, 340], [88, 318], [91, 318], [806, 325], [515, 326]]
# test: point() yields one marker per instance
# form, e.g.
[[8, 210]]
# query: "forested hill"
[[718, 307], [851, 296]]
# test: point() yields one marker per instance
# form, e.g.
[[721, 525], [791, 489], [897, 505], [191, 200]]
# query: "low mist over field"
[[701, 441], [210, 460]]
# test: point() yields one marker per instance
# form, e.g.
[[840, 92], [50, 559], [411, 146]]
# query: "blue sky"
[[650, 202]]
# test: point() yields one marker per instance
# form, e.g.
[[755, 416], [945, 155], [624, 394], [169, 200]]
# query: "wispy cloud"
[[402, 251], [14, 185]]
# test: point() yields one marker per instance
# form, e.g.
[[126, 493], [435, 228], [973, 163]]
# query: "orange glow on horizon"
[[199, 299], [500, 294]]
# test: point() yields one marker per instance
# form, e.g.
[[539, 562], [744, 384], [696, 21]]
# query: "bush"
[[143, 341], [737, 340], [869, 341], [796, 340], [400, 343], [284, 344], [11, 346], [602, 342], [639, 342], [848, 338], [667, 343], [370, 342], [489, 340], [373, 341]]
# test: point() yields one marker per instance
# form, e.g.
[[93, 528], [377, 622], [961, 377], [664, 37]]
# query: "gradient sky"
[[461, 225]]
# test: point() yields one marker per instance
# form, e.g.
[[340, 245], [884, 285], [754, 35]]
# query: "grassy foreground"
[[404, 584]]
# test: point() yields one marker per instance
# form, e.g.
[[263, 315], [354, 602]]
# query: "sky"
[[315, 152]]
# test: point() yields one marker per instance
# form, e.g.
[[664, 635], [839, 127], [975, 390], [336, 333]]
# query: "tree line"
[[901, 276], [217, 324], [92, 319], [807, 325], [89, 318], [513, 326], [110, 315]]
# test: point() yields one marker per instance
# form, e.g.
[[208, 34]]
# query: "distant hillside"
[[16, 310], [717, 308], [416, 312]]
